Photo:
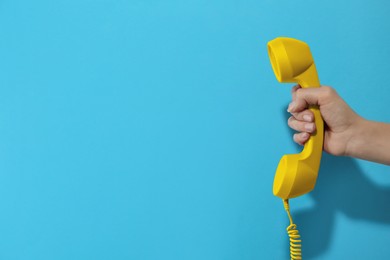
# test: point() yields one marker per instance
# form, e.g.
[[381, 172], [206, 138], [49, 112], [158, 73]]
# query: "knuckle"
[[328, 92], [302, 114], [299, 92], [295, 88]]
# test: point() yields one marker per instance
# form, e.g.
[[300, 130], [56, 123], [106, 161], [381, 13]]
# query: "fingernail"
[[307, 118], [309, 127], [291, 106], [305, 135]]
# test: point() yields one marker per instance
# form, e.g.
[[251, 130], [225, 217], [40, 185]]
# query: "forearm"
[[371, 142]]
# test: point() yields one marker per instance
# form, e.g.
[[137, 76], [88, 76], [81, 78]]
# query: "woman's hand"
[[341, 122]]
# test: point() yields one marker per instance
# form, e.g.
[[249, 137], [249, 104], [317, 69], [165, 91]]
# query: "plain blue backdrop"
[[151, 130]]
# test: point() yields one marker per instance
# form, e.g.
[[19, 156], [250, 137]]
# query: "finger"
[[294, 91], [311, 96], [301, 138], [305, 115], [301, 126], [297, 105]]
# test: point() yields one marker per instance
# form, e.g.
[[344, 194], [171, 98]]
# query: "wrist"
[[370, 141], [359, 136]]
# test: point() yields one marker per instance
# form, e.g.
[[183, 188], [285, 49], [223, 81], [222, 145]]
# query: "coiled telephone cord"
[[293, 233]]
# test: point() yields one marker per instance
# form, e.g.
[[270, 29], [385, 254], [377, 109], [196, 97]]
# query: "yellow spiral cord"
[[293, 233]]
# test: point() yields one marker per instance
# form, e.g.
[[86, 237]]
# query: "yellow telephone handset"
[[296, 174]]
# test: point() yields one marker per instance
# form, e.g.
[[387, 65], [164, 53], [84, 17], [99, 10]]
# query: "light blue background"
[[151, 130]]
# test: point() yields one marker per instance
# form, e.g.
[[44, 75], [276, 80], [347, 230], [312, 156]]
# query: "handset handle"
[[296, 174], [312, 150]]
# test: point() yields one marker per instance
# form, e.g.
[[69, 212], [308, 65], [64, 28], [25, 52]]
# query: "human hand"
[[340, 121]]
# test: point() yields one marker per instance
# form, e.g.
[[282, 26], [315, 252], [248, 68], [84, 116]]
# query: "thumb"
[[303, 97]]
